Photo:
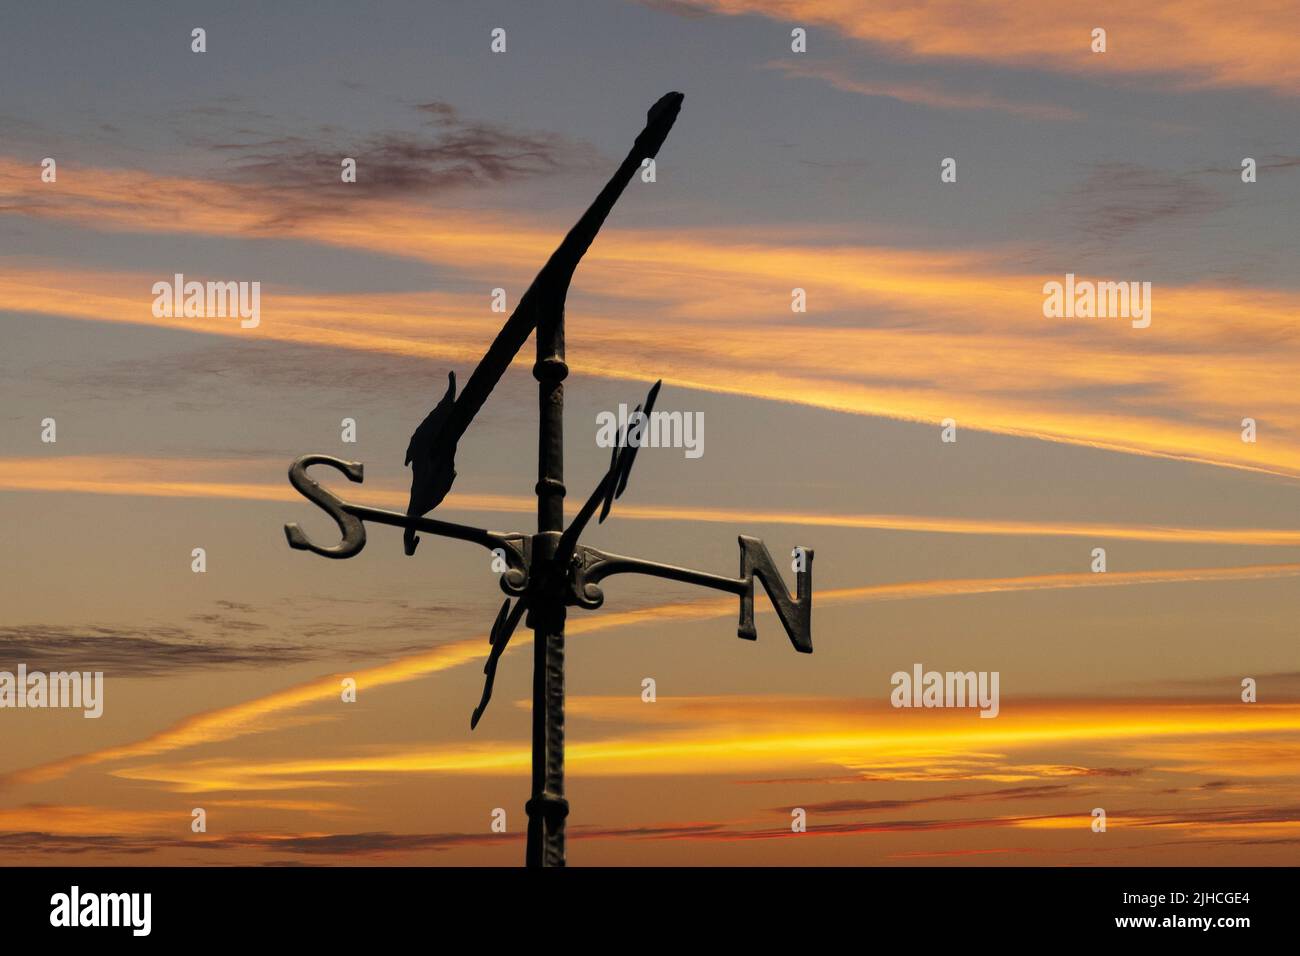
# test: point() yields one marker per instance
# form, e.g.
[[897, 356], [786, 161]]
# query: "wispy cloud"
[[1253, 821], [264, 713], [832, 807], [929, 94], [451, 152], [226, 478], [379, 844], [956, 331], [136, 651], [1118, 198], [744, 735], [1175, 43], [1285, 684], [1225, 825], [1021, 771]]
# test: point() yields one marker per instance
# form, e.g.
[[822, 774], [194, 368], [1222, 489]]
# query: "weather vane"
[[549, 570]]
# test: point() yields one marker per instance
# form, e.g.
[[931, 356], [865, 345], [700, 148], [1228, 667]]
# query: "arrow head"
[[659, 123]]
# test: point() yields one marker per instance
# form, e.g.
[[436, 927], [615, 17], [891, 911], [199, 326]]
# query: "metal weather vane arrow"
[[549, 570]]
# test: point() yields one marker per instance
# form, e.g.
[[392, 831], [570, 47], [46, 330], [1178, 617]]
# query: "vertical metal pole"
[[547, 808]]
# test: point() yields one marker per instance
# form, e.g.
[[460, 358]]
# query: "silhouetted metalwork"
[[432, 469], [549, 570]]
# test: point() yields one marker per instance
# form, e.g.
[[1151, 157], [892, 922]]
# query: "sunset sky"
[[816, 170]]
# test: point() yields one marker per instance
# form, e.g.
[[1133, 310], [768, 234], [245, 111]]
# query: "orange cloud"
[[255, 715], [263, 713], [1015, 380], [216, 478], [951, 330], [1190, 44], [85, 820], [724, 736]]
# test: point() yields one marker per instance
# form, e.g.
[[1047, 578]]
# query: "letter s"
[[350, 526]]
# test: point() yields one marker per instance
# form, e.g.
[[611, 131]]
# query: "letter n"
[[796, 615]]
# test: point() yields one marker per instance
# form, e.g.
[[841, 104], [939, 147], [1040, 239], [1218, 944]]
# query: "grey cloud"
[[1009, 793], [145, 651], [1118, 198], [449, 151]]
